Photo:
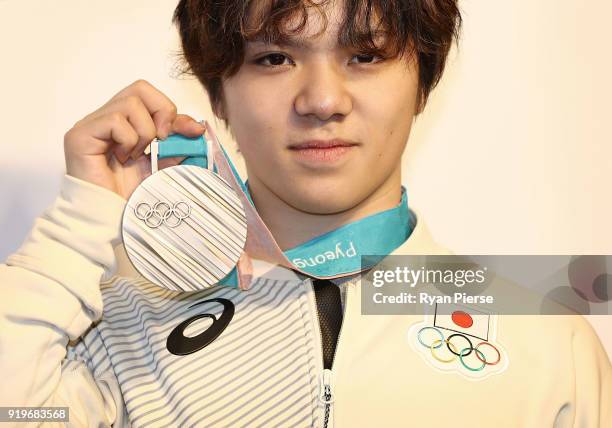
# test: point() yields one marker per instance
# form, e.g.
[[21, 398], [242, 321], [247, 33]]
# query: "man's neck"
[[281, 218]]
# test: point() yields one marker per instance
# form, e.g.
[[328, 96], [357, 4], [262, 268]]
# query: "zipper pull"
[[326, 395]]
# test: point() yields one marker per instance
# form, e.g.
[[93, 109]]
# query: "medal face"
[[184, 228]]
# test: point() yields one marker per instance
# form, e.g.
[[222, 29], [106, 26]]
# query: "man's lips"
[[322, 152], [322, 144]]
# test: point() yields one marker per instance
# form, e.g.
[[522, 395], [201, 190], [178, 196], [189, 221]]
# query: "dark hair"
[[213, 33]]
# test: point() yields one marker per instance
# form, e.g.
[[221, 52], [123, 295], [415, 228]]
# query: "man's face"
[[319, 90]]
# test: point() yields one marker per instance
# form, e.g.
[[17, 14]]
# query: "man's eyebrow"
[[283, 42], [303, 43]]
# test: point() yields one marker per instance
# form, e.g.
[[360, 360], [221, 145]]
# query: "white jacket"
[[74, 333]]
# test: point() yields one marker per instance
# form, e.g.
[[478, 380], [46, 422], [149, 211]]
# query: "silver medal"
[[184, 227]]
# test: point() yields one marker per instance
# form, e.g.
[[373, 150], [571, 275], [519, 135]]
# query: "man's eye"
[[272, 60], [366, 58]]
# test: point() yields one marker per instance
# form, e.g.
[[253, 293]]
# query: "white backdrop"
[[512, 155]]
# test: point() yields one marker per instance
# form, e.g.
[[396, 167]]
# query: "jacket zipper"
[[326, 393]]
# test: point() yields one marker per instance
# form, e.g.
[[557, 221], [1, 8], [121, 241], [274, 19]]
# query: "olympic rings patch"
[[450, 350], [461, 355], [162, 213], [460, 339]]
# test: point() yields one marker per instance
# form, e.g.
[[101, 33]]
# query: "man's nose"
[[323, 92]]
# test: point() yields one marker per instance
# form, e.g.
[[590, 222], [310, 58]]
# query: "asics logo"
[[179, 344]]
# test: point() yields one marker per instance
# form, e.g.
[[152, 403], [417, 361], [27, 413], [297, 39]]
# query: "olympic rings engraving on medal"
[[180, 211], [442, 360], [484, 360], [464, 337], [430, 328], [477, 369]]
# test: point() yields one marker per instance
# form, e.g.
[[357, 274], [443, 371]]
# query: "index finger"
[[161, 108]]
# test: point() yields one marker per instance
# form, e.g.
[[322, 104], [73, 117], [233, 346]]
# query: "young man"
[[321, 115]]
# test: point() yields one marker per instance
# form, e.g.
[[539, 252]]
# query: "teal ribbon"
[[337, 252]]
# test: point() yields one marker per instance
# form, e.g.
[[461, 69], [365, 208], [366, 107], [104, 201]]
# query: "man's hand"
[[106, 147]]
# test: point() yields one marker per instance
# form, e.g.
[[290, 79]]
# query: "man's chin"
[[325, 200]]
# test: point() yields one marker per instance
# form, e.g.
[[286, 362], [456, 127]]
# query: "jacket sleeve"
[[593, 378], [50, 294]]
